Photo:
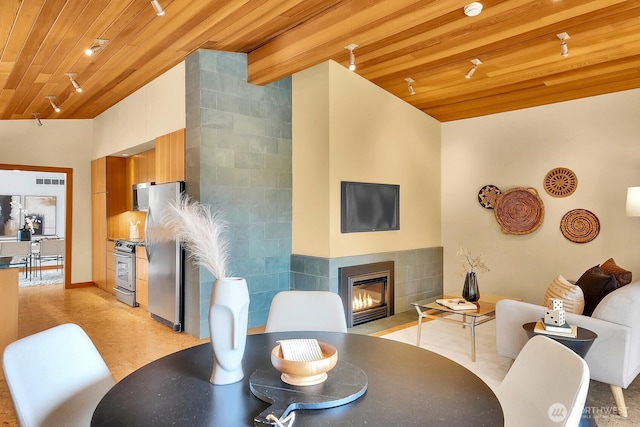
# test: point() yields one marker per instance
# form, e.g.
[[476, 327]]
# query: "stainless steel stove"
[[125, 257]]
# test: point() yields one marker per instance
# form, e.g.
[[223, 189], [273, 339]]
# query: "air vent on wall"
[[49, 181]]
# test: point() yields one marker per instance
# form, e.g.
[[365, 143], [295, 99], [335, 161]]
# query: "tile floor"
[[127, 337]]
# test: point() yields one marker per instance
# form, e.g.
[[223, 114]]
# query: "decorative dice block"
[[555, 304], [554, 317]]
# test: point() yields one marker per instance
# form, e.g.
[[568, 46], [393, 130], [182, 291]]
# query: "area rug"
[[453, 342], [49, 277]]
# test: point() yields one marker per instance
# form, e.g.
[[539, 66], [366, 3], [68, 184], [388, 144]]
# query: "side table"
[[580, 345]]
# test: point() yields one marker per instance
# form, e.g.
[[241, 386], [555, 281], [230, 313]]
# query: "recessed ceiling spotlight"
[[97, 46], [410, 83], [473, 69], [53, 104], [473, 9], [352, 57], [564, 50]]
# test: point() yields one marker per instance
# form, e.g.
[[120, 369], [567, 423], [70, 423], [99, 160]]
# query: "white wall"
[[597, 138], [58, 143], [156, 109], [345, 128]]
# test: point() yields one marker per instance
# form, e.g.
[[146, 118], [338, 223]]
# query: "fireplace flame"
[[361, 301]]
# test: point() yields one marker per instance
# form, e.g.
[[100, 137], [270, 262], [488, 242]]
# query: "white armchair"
[[614, 357]]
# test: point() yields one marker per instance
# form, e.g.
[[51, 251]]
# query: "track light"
[[159, 10], [473, 69], [53, 104], [97, 46], [410, 82], [564, 50], [72, 77], [352, 57], [37, 117]]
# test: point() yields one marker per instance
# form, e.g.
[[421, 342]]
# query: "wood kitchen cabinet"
[[141, 167], [99, 239], [116, 197], [170, 157], [8, 307], [146, 166], [99, 175], [111, 267], [108, 201], [142, 277]]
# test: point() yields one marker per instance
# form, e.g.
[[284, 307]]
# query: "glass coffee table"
[[485, 311]]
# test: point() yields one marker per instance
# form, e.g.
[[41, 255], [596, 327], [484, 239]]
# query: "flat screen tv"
[[369, 207]]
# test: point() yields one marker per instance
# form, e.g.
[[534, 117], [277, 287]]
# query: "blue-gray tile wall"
[[239, 159], [244, 162], [418, 273]]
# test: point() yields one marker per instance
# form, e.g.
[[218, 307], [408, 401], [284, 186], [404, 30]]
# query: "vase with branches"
[[202, 233], [29, 224], [469, 264]]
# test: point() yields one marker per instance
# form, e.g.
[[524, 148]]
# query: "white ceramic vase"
[[228, 319]]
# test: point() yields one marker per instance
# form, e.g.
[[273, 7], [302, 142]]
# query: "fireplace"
[[367, 292]]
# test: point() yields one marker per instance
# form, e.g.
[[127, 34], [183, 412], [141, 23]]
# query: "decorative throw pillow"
[[595, 285], [571, 295], [623, 277]]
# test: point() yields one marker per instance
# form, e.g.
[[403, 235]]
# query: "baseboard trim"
[[80, 285]]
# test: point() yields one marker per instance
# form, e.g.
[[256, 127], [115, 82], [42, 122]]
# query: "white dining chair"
[[306, 311], [51, 250], [55, 377], [547, 385]]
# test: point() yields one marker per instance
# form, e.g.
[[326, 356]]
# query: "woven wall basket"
[[519, 211], [488, 196], [580, 226], [560, 182]]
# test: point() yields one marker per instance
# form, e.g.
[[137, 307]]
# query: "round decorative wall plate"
[[580, 226], [519, 211], [560, 182], [488, 196]]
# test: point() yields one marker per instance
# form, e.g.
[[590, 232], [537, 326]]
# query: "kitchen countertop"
[[13, 265], [137, 242]]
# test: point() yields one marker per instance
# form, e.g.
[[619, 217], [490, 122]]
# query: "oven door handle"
[[123, 291], [123, 256]]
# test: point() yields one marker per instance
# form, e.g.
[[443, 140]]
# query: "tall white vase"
[[228, 319]]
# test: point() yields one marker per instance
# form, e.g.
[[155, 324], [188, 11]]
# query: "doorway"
[[68, 213]]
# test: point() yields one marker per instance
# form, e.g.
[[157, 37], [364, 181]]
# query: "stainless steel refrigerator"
[[165, 260]]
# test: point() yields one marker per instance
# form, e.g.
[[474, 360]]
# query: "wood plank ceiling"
[[429, 41]]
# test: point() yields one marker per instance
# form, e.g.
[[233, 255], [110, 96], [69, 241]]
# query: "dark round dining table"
[[407, 386]]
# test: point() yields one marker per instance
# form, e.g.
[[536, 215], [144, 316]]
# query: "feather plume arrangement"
[[201, 232]]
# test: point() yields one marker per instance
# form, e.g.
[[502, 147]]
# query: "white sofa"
[[614, 357]]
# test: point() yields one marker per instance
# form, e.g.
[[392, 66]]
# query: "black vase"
[[470, 291], [24, 235]]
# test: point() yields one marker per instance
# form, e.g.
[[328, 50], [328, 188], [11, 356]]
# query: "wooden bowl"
[[305, 373]]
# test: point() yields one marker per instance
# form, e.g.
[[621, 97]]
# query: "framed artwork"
[[9, 215], [44, 209]]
